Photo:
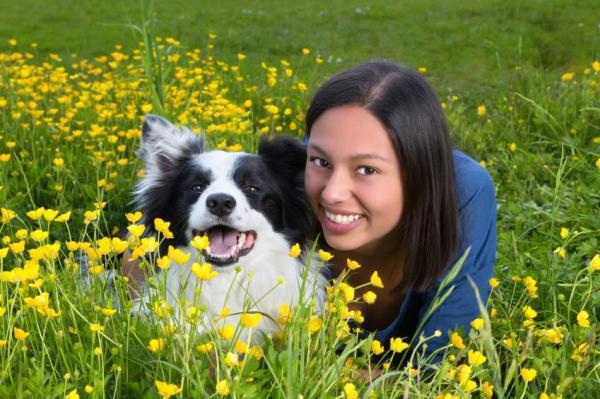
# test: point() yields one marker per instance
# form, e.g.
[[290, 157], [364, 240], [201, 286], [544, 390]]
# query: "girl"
[[391, 193]]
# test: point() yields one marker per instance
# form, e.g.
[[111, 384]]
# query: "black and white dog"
[[251, 207]]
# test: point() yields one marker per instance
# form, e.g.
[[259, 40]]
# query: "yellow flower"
[[2, 342], [167, 390], [250, 320], [295, 250], [314, 324], [203, 271], [241, 346], [350, 391], [567, 76], [222, 388], [20, 335], [90, 216], [232, 359], [352, 264], [579, 351], [376, 280], [487, 389], [163, 227], [133, 217], [463, 372], [305, 51], [6, 215], [2, 311], [476, 358], [583, 319], [481, 110], [38, 235], [72, 395], [63, 217], [136, 230], [285, 314], [3, 252], [457, 341], [156, 345], [398, 345], [376, 347], [204, 348], [422, 70], [512, 147], [325, 256], [17, 247], [369, 297], [494, 282], [553, 335], [178, 256], [227, 332], [564, 232], [88, 389], [163, 262], [146, 108], [529, 313], [477, 324], [561, 251], [94, 327], [200, 243], [528, 375], [58, 162], [118, 245], [595, 263]]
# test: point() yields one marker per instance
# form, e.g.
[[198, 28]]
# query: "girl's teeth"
[[341, 219]]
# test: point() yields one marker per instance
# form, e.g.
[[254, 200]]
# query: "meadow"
[[525, 104]]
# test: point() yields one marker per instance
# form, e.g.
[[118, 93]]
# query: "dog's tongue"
[[221, 240]]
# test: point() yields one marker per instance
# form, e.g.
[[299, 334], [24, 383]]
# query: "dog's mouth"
[[226, 245]]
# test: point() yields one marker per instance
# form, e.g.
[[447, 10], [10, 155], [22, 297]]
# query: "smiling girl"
[[391, 193]]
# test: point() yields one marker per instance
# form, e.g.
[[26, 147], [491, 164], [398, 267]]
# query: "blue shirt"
[[476, 202]]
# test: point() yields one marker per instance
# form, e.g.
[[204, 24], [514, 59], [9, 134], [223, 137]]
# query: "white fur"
[[255, 287]]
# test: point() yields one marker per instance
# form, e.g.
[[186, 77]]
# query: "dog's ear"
[[163, 144], [285, 158]]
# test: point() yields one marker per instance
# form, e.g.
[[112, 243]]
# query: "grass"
[[69, 128], [468, 46]]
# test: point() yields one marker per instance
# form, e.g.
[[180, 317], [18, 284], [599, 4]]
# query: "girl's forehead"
[[350, 130]]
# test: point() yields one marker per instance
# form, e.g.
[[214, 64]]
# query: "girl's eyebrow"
[[355, 157]]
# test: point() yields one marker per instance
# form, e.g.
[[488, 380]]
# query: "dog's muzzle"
[[226, 244]]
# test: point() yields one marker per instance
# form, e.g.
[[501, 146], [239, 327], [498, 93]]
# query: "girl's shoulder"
[[473, 182]]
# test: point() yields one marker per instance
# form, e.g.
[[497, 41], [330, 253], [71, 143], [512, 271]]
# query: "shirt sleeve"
[[477, 231]]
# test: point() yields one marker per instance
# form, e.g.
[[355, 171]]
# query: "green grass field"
[[520, 84]]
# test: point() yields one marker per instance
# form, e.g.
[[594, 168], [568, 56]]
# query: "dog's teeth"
[[241, 240]]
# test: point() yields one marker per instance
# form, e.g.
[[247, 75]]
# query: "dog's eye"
[[197, 187], [252, 189]]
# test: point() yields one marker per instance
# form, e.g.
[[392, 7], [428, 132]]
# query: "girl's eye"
[[252, 189], [197, 187], [319, 162], [366, 170]]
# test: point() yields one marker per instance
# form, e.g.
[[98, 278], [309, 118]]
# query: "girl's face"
[[353, 180]]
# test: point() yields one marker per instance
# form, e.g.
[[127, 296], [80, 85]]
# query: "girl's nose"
[[337, 188]]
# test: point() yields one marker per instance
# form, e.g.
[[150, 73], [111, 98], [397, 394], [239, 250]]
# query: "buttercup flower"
[[325, 256], [376, 280], [528, 375], [166, 390]]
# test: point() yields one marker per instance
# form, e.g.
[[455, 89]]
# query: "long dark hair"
[[408, 108]]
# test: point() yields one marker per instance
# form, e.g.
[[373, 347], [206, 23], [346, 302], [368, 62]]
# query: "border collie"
[[251, 207]]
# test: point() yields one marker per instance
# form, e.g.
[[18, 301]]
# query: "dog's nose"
[[220, 204]]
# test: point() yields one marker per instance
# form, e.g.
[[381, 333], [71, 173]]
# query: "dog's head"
[[236, 199]]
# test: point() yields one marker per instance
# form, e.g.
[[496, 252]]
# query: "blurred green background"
[[467, 46]]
